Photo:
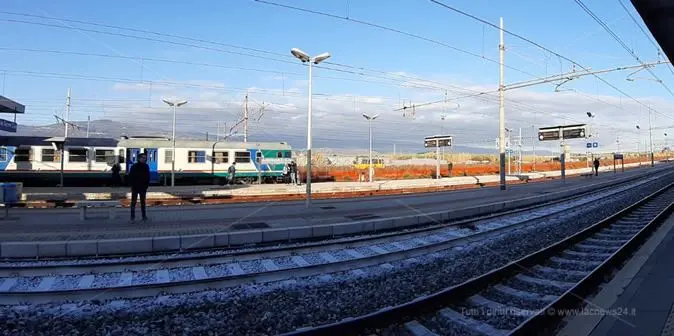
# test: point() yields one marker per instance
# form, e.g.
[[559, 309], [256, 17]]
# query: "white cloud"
[[337, 120]]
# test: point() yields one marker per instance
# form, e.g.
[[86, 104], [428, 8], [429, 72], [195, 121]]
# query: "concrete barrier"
[[52, 249], [125, 246], [78, 248], [19, 250], [245, 237], [167, 243]]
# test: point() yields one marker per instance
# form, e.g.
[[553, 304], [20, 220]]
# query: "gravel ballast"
[[266, 309]]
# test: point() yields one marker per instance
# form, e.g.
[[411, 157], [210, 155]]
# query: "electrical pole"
[[501, 109], [533, 144], [650, 135], [88, 122], [437, 159], [519, 145], [67, 114], [245, 119]]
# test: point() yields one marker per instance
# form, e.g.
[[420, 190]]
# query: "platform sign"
[[562, 132], [7, 126], [617, 156], [438, 141], [595, 144], [550, 133], [588, 145]]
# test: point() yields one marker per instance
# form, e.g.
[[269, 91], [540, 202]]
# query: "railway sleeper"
[[522, 295], [594, 256], [550, 285], [468, 324], [621, 231], [606, 242], [551, 273], [417, 329], [563, 263], [594, 248], [498, 308], [613, 236], [626, 226]]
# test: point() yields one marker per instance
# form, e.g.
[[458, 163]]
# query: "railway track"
[[525, 297], [59, 280]]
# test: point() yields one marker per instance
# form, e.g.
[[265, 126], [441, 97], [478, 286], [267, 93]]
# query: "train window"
[[168, 155], [121, 156], [221, 157], [104, 155], [22, 154], [3, 154], [241, 157], [279, 154], [50, 155], [196, 156], [77, 155]]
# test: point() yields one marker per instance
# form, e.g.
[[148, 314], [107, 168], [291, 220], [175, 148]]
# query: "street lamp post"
[[304, 57], [369, 122], [587, 151], [174, 104]]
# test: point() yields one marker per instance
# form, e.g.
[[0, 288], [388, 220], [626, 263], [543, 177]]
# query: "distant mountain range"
[[97, 129]]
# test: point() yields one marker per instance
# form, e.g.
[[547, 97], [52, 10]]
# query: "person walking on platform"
[[596, 167], [232, 173], [139, 178], [116, 178]]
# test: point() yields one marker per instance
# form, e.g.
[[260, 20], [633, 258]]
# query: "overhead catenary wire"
[[621, 42], [550, 51], [395, 30], [285, 60], [648, 36]]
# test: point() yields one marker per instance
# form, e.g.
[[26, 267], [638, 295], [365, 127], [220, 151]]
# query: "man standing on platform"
[[232, 173], [139, 178], [293, 172]]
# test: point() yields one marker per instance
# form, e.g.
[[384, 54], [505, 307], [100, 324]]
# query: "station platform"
[[36, 197], [639, 300], [62, 224]]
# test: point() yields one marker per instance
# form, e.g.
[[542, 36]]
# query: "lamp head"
[[320, 58], [301, 55], [168, 102]]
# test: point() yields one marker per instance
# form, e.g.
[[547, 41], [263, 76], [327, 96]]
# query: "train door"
[[152, 162], [131, 157]]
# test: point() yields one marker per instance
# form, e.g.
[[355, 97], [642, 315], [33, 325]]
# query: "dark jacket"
[[116, 169], [139, 176], [292, 167]]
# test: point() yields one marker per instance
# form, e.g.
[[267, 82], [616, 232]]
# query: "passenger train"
[[87, 161]]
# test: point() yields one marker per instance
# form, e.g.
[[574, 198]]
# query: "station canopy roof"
[[9, 106], [659, 18]]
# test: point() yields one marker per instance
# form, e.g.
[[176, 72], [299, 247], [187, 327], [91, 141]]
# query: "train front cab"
[[132, 157]]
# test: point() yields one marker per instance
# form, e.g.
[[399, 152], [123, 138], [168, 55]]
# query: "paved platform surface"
[[646, 305], [65, 224], [161, 192]]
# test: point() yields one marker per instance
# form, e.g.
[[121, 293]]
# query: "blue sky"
[[129, 82]]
